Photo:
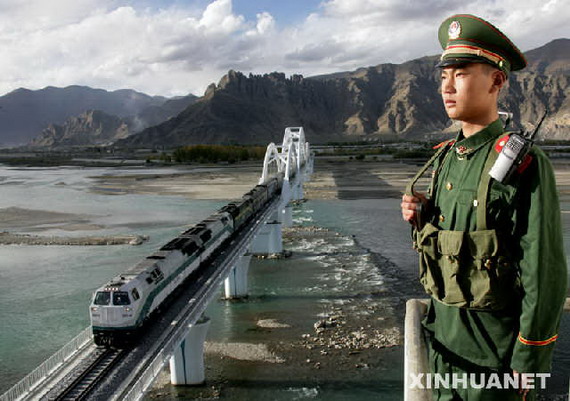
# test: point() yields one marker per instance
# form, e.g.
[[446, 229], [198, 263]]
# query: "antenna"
[[531, 136]]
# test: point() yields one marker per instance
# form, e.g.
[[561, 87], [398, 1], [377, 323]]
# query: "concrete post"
[[268, 239], [187, 362], [235, 285], [287, 216], [415, 351], [298, 193]]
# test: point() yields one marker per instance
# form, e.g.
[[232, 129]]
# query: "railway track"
[[83, 381]]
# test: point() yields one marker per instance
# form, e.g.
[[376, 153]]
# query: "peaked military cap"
[[466, 38]]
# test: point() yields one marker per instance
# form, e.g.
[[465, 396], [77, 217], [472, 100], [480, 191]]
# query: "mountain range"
[[387, 100], [25, 114]]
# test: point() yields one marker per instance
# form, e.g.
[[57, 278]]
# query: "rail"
[[50, 365], [85, 381]]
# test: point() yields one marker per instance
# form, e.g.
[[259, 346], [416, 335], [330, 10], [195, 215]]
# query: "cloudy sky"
[[176, 47]]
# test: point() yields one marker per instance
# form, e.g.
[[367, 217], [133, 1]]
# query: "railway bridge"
[[82, 370]]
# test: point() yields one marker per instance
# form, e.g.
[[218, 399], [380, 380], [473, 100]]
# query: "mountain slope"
[[25, 113], [93, 127]]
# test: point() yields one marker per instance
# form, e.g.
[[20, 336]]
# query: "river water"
[[350, 258]]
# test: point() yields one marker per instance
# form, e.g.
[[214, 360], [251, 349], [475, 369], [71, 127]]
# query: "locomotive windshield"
[[102, 298], [121, 298]]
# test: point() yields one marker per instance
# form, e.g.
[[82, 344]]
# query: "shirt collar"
[[465, 146]]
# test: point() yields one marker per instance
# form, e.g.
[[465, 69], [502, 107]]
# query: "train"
[[121, 307]]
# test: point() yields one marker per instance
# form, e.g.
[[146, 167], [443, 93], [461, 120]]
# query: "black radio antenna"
[[531, 136]]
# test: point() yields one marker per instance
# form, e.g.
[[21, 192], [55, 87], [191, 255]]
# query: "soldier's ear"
[[499, 79]]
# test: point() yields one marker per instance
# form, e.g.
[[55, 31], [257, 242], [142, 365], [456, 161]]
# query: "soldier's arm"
[[542, 267]]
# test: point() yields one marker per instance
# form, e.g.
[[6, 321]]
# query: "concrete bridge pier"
[[187, 361], [235, 285], [287, 216], [298, 193], [269, 239]]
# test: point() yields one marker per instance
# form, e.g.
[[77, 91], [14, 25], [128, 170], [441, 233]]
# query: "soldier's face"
[[468, 91]]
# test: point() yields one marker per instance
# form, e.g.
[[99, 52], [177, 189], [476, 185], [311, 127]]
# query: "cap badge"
[[454, 30]]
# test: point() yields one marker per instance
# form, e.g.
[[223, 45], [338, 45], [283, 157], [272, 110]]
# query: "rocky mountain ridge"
[[388, 100], [94, 127]]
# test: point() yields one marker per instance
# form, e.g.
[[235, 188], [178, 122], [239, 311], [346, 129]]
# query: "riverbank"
[[26, 239]]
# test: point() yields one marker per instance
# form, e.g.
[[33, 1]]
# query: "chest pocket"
[[465, 269]]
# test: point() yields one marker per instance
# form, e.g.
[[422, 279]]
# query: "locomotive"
[[121, 307]]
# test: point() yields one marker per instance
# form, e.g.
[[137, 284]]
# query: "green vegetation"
[[214, 154], [413, 154], [409, 150]]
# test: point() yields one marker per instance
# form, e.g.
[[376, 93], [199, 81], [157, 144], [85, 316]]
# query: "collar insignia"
[[461, 150]]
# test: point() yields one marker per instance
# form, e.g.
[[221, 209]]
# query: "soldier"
[[491, 253]]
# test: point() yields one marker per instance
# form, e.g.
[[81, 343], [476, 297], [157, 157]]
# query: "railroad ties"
[[78, 384]]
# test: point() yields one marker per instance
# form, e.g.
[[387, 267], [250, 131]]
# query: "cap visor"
[[449, 61]]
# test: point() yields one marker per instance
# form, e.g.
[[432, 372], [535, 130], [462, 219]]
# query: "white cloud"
[[219, 18], [265, 24], [176, 50]]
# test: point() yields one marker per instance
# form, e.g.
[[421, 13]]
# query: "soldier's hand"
[[411, 205], [524, 384]]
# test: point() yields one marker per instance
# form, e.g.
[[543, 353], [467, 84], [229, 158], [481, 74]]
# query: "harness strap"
[[484, 186], [410, 186]]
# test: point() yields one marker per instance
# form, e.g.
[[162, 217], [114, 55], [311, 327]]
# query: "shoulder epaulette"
[[501, 143], [444, 143]]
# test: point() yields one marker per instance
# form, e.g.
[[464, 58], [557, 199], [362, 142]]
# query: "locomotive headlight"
[[94, 308], [128, 309]]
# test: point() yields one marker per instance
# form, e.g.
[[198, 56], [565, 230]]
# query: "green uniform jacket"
[[527, 215]]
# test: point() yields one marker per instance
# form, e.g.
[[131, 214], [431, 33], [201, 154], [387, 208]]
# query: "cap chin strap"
[[479, 52]]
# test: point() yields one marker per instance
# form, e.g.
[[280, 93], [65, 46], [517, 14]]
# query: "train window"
[[157, 274], [206, 236], [121, 298], [149, 280], [102, 298], [190, 248], [135, 294]]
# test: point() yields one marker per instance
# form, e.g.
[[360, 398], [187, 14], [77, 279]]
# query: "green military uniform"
[[491, 254]]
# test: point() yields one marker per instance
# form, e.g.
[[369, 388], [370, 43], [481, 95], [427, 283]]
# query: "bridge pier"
[[187, 361], [298, 192], [269, 239], [235, 285], [287, 215]]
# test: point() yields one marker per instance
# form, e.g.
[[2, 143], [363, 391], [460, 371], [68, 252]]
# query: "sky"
[[177, 47]]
